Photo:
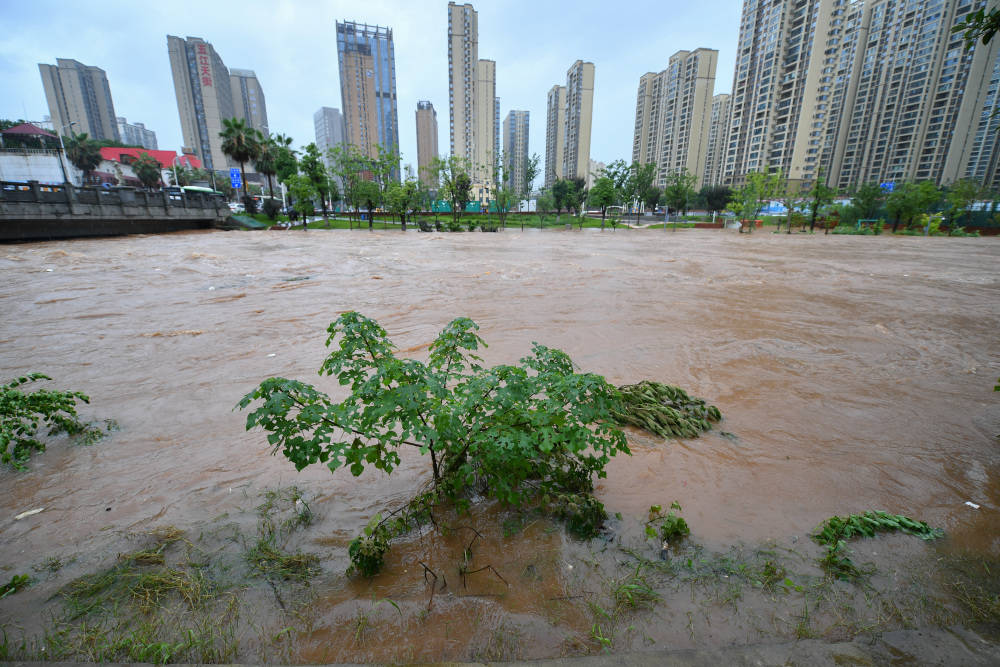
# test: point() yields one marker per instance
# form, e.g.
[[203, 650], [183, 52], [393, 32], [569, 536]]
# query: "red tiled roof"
[[29, 129], [165, 158]]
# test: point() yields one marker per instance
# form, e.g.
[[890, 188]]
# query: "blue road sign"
[[234, 178], [888, 186]]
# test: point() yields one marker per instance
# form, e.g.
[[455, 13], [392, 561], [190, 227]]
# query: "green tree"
[[543, 204], [302, 192], [266, 160], [530, 174], [981, 25], [602, 195], [716, 197], [147, 170], [349, 166], [84, 153], [652, 197], [818, 196], [578, 197], [368, 195], [960, 195], [456, 184], [315, 170], [562, 196], [21, 413], [640, 185], [527, 434], [758, 189], [680, 190], [403, 197], [908, 200], [867, 200], [791, 197], [239, 143]]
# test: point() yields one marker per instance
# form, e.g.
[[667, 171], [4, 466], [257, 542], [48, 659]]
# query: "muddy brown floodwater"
[[852, 373]]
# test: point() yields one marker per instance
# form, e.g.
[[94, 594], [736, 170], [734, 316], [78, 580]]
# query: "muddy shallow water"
[[852, 373]]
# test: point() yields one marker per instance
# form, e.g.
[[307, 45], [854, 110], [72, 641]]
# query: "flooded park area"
[[853, 373]]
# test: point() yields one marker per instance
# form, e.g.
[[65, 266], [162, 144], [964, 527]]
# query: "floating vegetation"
[[835, 531], [665, 410]]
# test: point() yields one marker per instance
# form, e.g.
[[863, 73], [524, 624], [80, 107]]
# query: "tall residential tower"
[[515, 150], [248, 99], [862, 91], [79, 94], [555, 134], [673, 114], [204, 97], [329, 128], [579, 119], [368, 87], [427, 142], [472, 102]]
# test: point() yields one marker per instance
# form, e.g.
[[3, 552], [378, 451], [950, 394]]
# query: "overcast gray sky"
[[292, 48]]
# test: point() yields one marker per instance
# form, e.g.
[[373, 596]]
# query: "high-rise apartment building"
[[204, 97], [718, 128], [329, 127], [136, 134], [485, 126], [579, 119], [79, 94], [427, 142], [368, 87], [920, 107], [864, 90], [515, 150], [555, 134], [248, 99], [673, 113], [647, 112], [472, 102], [463, 62]]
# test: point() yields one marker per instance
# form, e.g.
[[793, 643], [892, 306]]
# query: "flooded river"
[[852, 373]]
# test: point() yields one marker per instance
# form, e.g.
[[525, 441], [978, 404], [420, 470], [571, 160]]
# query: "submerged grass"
[[177, 599]]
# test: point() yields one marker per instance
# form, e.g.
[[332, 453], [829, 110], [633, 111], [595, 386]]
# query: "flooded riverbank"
[[852, 372]]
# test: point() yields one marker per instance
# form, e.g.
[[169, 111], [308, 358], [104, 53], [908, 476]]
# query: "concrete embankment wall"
[[31, 212]]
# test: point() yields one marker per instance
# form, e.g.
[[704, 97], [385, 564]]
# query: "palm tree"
[[265, 163], [84, 153], [239, 142]]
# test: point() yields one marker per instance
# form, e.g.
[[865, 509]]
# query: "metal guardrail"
[[39, 193]]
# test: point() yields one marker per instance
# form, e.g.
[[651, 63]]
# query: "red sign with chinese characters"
[[204, 65]]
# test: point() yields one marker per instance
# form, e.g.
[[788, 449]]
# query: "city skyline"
[[527, 65]]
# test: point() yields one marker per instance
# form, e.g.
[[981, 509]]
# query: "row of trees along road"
[[903, 205]]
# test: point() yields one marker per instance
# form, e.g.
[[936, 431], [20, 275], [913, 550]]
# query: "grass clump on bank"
[[835, 531]]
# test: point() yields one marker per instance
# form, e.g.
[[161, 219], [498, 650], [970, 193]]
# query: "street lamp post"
[[62, 150]]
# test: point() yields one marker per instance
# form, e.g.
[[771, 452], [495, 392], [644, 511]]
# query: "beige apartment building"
[[515, 150], [718, 125], [427, 142], [555, 134], [673, 115], [204, 97], [248, 98], [579, 119], [920, 106], [862, 91], [485, 126], [79, 94], [647, 113], [472, 102]]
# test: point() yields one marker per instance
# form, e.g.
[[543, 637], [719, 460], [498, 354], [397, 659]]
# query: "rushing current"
[[852, 372]]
